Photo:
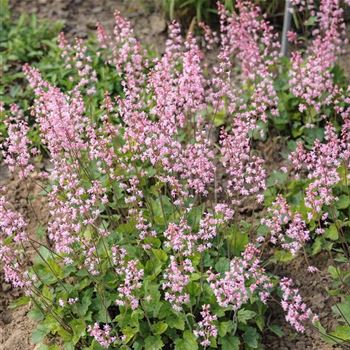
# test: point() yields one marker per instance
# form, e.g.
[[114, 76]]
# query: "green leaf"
[[36, 314], [66, 336], [160, 254], [311, 21], [343, 202], [195, 276], [39, 334], [334, 272], [153, 267], [47, 293], [19, 302], [194, 217], [137, 314], [50, 323], [331, 232], [78, 327], [274, 328], [40, 232], [176, 321], [251, 337], [42, 347], [343, 310], [68, 346], [95, 346], [194, 289], [55, 268], [152, 307], [317, 245], [102, 305], [230, 343], [219, 118], [277, 178], [342, 332], [188, 342], [245, 315], [127, 229], [282, 256], [224, 328], [236, 240], [137, 345], [153, 343], [260, 322], [84, 304], [310, 135], [159, 328], [129, 333], [222, 265], [47, 347]]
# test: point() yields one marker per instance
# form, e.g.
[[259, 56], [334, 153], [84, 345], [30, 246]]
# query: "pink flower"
[[286, 228], [232, 289], [297, 313], [176, 279], [102, 335], [131, 276], [245, 170], [321, 164], [206, 328], [310, 76], [312, 269], [292, 37], [13, 235], [16, 150]]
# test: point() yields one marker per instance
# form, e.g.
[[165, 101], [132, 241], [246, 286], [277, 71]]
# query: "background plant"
[[28, 39]]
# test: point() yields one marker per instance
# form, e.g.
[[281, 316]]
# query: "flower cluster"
[[176, 279], [246, 175], [16, 151], [13, 227], [179, 238], [206, 327], [321, 164], [286, 228], [244, 278], [131, 276], [102, 336], [76, 56], [310, 77], [297, 312]]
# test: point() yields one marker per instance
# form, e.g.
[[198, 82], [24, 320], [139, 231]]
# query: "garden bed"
[[79, 18]]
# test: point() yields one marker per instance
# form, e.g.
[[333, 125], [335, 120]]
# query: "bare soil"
[[15, 326], [313, 290], [80, 16]]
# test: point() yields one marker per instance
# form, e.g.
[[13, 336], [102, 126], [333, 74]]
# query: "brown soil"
[[313, 290], [80, 16], [312, 286], [15, 326]]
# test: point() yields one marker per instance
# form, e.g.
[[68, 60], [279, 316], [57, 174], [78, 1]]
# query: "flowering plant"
[[143, 249]]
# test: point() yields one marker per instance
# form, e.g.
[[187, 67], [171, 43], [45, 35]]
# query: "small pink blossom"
[[102, 335], [206, 327], [297, 313]]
